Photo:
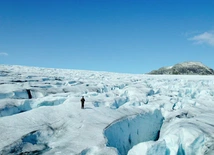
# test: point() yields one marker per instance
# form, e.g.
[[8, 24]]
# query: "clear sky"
[[128, 36]]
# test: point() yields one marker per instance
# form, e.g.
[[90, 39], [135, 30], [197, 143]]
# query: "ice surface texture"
[[40, 112]]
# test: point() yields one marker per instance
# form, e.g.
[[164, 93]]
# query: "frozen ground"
[[124, 113]]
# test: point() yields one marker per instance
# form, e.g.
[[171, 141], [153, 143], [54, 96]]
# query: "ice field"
[[134, 114]]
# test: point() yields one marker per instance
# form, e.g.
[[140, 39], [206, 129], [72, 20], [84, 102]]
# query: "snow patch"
[[99, 151]]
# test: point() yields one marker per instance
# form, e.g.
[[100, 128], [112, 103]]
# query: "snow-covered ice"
[[40, 113]]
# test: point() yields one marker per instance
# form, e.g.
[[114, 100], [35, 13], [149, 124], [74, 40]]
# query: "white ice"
[[124, 113]]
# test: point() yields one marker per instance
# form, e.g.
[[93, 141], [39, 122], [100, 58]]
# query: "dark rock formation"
[[185, 68]]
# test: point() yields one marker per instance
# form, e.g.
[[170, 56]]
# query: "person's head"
[[82, 96]]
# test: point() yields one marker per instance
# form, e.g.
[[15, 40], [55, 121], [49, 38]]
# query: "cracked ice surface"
[[123, 134], [124, 113]]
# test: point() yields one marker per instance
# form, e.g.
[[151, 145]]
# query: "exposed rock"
[[185, 68]]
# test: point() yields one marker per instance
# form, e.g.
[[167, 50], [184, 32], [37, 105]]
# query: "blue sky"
[[127, 36]]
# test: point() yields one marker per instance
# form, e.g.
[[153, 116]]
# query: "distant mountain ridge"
[[185, 68]]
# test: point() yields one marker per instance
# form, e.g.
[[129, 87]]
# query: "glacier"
[[133, 114]]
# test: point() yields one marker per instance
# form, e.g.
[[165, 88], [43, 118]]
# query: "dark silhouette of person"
[[82, 102]]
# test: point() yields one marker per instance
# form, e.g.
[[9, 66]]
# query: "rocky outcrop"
[[185, 68]]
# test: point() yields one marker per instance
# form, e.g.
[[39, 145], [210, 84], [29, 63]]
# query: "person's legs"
[[82, 105]]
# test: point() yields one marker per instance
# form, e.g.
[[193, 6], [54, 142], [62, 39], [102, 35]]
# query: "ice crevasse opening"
[[123, 134]]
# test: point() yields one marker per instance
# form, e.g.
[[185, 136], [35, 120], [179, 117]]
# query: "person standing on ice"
[[82, 102]]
